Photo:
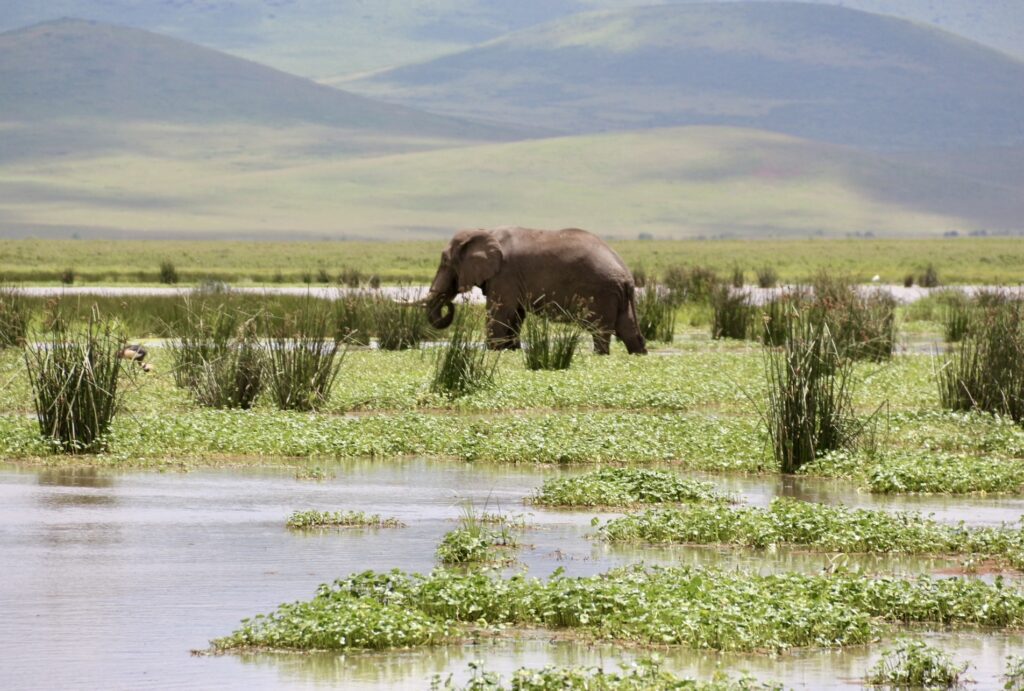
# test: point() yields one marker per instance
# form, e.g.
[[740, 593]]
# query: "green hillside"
[[671, 183], [813, 71], [70, 70]]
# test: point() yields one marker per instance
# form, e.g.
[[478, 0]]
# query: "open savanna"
[[670, 183], [957, 260]]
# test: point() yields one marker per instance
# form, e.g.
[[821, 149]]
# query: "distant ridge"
[[814, 71], [74, 69]]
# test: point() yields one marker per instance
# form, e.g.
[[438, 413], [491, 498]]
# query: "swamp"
[[284, 499]]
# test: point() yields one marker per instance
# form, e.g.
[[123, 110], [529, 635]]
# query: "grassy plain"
[[958, 260]]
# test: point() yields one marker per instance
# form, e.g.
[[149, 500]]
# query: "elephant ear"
[[480, 259]]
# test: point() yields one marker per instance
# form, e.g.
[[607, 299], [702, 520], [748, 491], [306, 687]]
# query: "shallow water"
[[112, 578]]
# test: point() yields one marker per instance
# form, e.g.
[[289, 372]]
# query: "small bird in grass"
[[135, 353]]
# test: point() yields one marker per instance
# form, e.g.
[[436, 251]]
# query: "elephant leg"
[[602, 341], [628, 331], [502, 328]]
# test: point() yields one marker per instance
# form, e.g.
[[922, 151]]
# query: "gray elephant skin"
[[521, 270]]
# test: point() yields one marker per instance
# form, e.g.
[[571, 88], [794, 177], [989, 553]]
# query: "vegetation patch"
[[646, 673], [816, 526], [624, 487], [695, 607], [340, 519], [477, 539], [915, 664]]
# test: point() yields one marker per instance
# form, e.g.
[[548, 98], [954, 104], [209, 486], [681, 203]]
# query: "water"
[[110, 580]]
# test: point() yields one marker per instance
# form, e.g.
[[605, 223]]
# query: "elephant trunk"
[[440, 313]]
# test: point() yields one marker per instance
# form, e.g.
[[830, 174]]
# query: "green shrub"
[[767, 277], [74, 379], [303, 359], [168, 274], [916, 664], [464, 364]]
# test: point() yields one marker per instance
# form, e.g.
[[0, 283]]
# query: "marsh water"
[[111, 579]]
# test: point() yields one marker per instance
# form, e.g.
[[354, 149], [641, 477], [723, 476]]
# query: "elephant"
[[523, 270]]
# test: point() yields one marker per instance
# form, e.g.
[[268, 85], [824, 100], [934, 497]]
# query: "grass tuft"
[[74, 379], [549, 344], [475, 540], [303, 359], [463, 365], [15, 314], [733, 316], [656, 312]]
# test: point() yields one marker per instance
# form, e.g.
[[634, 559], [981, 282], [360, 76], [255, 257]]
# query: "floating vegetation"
[[818, 527], [341, 519], [1014, 674], [644, 674], [915, 664], [695, 607], [624, 487], [74, 375]]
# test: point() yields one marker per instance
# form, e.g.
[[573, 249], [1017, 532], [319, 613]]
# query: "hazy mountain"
[[72, 71], [327, 38], [809, 70]]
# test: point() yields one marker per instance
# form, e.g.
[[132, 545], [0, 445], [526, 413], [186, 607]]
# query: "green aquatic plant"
[[695, 607], [915, 664], [732, 313], [340, 519], [304, 353], [646, 674], [656, 313], [816, 526], [550, 344], [624, 487], [475, 540], [1014, 674], [15, 313]]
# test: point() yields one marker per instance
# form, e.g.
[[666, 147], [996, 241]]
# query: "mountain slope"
[[809, 70], [329, 38], [76, 70], [676, 182]]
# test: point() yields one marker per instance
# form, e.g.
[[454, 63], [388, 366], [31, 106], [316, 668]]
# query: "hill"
[[813, 71], [325, 38], [670, 183], [71, 70]]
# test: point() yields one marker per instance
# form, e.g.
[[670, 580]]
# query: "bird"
[[135, 353]]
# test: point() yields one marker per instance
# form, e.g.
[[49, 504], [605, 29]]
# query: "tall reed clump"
[[862, 324], [767, 277], [218, 356], [353, 317], [74, 378], [15, 313], [168, 274], [656, 312], [464, 364], [956, 309], [303, 357], [399, 326], [986, 372], [810, 395], [776, 315], [690, 283], [549, 344], [732, 314]]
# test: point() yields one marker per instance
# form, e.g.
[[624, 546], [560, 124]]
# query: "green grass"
[[478, 539], [978, 260], [694, 607], [817, 527], [340, 519], [619, 487]]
